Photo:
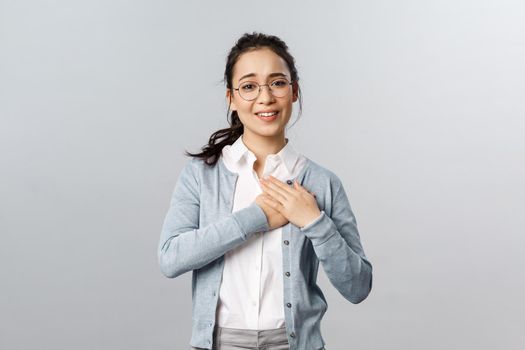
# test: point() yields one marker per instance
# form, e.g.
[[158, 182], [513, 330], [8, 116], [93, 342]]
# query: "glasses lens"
[[280, 87], [250, 90]]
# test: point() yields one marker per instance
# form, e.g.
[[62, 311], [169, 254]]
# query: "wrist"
[[313, 220]]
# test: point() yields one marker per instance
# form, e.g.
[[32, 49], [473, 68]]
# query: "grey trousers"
[[245, 339]]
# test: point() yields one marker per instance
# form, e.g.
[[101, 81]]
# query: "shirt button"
[[287, 274], [288, 304], [286, 242]]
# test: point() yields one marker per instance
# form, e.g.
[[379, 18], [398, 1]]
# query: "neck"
[[262, 146]]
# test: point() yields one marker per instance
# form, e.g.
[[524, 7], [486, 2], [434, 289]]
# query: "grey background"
[[418, 106]]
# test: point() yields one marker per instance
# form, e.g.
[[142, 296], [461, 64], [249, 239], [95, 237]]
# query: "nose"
[[265, 94]]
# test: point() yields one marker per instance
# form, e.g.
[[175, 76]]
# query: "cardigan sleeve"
[[184, 245], [336, 242]]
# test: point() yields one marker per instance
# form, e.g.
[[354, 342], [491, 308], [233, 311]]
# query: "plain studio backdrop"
[[418, 106]]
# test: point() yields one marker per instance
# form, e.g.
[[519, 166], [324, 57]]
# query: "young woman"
[[252, 218]]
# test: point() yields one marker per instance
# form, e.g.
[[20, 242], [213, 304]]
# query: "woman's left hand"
[[295, 203]]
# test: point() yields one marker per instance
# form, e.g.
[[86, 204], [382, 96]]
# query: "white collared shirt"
[[251, 291]]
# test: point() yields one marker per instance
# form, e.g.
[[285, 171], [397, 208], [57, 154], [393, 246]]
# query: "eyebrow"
[[276, 74]]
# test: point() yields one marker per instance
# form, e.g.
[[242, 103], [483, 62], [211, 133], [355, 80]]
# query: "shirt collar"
[[287, 154]]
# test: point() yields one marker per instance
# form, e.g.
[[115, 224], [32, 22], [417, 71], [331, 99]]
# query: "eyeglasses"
[[250, 90]]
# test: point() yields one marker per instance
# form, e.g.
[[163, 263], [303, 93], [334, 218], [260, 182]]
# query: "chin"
[[268, 132]]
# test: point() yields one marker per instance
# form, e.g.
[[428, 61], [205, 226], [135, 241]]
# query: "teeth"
[[266, 114]]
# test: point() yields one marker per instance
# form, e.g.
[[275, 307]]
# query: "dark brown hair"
[[212, 151]]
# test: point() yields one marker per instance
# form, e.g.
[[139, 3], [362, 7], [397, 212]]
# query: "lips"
[[270, 118], [266, 113]]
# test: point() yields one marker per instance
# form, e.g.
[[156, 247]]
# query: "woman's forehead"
[[262, 63], [269, 75]]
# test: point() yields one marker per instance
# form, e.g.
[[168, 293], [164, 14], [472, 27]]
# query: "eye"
[[279, 82], [248, 86]]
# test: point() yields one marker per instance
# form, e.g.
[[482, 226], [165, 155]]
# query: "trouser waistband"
[[249, 337]]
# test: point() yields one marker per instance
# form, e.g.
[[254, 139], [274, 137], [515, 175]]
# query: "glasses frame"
[[260, 86]]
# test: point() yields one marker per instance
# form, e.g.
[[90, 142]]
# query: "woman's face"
[[262, 63]]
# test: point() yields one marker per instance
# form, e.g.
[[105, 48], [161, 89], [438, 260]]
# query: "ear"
[[230, 100], [295, 91]]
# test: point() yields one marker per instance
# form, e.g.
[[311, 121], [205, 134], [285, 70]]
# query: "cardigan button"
[[286, 242], [289, 182], [292, 335], [288, 304], [287, 274]]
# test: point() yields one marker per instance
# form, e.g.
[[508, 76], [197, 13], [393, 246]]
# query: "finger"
[[298, 186], [272, 202], [269, 198], [313, 194], [273, 191], [279, 185]]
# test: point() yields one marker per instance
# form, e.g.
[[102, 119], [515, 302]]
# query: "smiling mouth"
[[267, 114], [268, 117]]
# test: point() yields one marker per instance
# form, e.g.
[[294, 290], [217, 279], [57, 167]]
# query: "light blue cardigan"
[[200, 228]]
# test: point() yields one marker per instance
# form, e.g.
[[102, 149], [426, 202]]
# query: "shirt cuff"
[[313, 222], [251, 219]]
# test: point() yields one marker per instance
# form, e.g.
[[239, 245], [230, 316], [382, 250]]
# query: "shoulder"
[[321, 173], [191, 169], [198, 168]]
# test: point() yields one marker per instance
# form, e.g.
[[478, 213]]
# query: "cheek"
[[287, 118], [245, 111], [245, 117], [242, 106]]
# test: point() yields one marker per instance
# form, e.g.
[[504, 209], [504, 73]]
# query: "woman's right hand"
[[275, 219]]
